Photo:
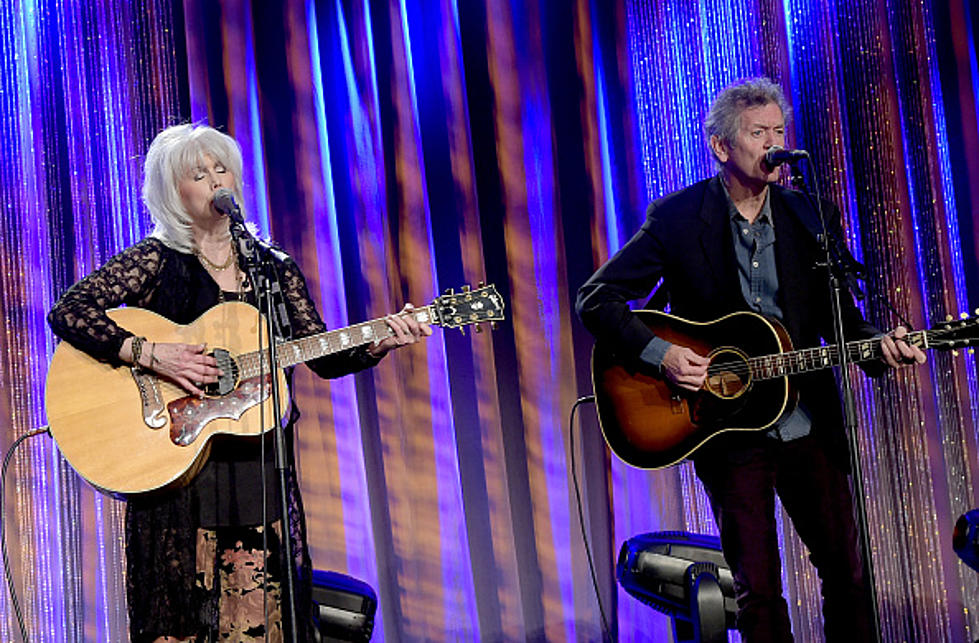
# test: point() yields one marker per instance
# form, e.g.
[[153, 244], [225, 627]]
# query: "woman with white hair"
[[195, 554]]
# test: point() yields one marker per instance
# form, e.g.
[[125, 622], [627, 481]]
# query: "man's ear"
[[719, 148]]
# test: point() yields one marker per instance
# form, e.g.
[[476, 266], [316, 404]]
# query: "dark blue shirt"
[[754, 248]]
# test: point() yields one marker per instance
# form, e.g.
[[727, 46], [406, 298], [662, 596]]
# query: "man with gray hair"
[[737, 242]]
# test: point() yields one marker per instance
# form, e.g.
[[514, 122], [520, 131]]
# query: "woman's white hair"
[[173, 154]]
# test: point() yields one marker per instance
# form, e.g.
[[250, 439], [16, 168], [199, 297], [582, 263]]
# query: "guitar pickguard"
[[189, 415]]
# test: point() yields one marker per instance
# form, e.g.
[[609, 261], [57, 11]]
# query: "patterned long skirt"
[[231, 565]]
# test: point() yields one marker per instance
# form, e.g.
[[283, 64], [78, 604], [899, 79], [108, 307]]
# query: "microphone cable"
[[606, 632], [3, 534]]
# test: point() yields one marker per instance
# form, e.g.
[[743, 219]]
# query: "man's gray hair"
[[173, 154], [724, 118]]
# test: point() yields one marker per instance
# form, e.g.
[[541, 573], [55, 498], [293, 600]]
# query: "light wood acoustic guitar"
[[651, 424], [127, 431]]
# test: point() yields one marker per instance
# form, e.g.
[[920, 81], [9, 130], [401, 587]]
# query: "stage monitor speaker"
[[343, 607], [965, 538], [684, 576]]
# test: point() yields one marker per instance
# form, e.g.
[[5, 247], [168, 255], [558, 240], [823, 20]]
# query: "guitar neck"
[[823, 357], [296, 351]]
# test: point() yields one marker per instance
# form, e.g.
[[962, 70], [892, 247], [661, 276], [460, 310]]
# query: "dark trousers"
[[816, 494]]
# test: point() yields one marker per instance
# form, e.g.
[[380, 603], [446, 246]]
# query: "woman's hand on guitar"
[[407, 330], [896, 352], [188, 365], [684, 368]]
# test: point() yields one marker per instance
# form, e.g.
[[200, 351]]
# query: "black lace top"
[[161, 528]]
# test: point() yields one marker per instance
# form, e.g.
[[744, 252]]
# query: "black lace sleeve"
[[306, 321], [128, 278]]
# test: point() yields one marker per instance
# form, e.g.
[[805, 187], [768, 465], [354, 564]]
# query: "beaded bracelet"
[[137, 349]]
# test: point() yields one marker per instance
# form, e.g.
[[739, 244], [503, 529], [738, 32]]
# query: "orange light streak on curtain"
[[329, 448], [413, 457], [541, 319], [419, 470], [508, 592]]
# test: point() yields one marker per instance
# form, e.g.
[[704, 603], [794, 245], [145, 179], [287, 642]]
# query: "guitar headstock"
[[457, 310], [953, 333]]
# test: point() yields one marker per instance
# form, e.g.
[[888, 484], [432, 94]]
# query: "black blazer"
[[686, 240]]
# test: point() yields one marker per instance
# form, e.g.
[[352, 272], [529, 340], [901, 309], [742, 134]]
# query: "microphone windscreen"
[[224, 201], [772, 154]]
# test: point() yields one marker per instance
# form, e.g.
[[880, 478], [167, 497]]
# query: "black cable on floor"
[[606, 632]]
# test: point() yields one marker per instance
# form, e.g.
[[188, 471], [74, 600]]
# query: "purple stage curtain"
[[400, 148]]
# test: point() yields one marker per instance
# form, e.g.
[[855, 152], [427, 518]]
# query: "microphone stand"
[[835, 266], [259, 268]]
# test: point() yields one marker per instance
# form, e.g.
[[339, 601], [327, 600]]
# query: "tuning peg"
[[963, 315], [955, 353], [465, 288], [477, 328], [462, 329], [483, 283], [449, 291], [949, 318], [976, 312], [493, 325]]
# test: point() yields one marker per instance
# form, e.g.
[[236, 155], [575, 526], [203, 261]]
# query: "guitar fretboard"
[[301, 350], [822, 357]]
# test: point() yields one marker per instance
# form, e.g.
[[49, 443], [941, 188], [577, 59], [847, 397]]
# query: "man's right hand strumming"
[[684, 368]]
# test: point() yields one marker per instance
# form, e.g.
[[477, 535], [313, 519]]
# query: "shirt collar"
[[764, 216]]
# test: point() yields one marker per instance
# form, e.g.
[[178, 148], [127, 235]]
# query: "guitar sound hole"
[[728, 375], [228, 379]]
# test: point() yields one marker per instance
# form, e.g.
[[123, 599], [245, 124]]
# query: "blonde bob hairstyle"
[[175, 153]]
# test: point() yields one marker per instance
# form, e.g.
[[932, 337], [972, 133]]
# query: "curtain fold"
[[401, 148]]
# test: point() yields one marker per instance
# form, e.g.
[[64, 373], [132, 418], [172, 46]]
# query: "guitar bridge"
[[149, 396], [676, 403]]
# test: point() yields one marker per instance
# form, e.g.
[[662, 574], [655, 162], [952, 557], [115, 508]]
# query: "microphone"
[[777, 155], [224, 202]]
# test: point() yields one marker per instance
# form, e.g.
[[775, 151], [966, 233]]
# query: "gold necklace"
[[213, 266], [239, 281]]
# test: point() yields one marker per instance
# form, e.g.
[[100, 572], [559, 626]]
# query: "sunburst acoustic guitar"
[[127, 431], [650, 424]]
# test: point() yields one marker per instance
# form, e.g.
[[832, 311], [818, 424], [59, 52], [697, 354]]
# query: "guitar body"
[[98, 418], [650, 424], [128, 432]]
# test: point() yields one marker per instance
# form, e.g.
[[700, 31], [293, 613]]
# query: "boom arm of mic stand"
[[840, 261], [844, 264]]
